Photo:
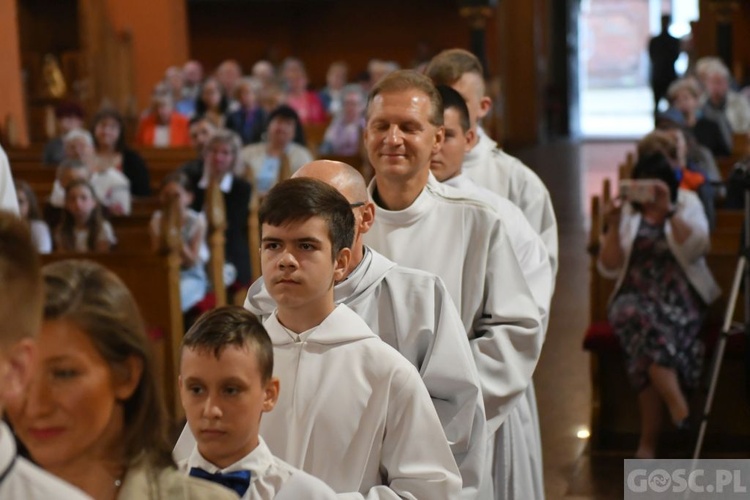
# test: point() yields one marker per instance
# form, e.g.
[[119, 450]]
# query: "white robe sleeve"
[[8, 200], [303, 485], [413, 472], [505, 339]]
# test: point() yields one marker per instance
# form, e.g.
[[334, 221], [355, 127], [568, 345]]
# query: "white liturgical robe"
[[20, 479], [518, 470], [463, 241], [270, 478], [8, 200], [492, 168], [412, 312], [354, 413]]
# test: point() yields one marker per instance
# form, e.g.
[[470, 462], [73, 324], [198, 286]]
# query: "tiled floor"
[[572, 173]]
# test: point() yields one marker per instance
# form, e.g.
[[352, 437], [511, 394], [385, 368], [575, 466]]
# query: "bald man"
[[412, 311]]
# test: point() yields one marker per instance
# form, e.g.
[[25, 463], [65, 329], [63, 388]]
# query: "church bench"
[[614, 419]]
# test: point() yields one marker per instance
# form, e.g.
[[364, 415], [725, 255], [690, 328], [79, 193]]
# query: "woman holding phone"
[[655, 249]]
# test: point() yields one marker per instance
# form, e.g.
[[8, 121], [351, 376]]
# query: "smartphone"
[[638, 190]]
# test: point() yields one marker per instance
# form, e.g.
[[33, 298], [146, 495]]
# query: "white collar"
[[225, 185], [257, 461]]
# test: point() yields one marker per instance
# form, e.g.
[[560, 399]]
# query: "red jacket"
[[179, 134]]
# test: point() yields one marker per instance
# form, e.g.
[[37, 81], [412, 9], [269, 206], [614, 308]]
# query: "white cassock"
[[354, 413], [412, 311], [463, 241], [518, 470], [271, 478], [8, 200], [492, 168]]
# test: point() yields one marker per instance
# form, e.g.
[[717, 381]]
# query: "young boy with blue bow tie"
[[226, 384]]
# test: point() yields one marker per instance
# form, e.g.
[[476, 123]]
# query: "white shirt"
[[354, 413], [25, 481], [8, 200], [225, 185], [492, 168], [271, 478], [81, 237], [112, 189], [41, 236], [412, 311], [463, 241]]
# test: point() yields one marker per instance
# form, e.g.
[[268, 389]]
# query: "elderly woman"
[[93, 415], [655, 249]]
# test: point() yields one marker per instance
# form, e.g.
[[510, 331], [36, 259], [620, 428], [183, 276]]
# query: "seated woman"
[[221, 161], [655, 250], [344, 134], [194, 252], [28, 209], [266, 163], [212, 103], [247, 121], [83, 227], [305, 102], [685, 99], [162, 126], [93, 414], [111, 152]]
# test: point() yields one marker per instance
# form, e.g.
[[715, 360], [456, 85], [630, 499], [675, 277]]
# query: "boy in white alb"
[[411, 311], [20, 319], [353, 411], [226, 384], [518, 468]]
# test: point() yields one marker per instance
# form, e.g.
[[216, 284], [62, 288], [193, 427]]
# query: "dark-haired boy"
[[354, 412], [20, 319], [226, 384]]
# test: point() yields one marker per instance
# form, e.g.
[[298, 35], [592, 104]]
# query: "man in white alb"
[[412, 312], [487, 164], [517, 469], [424, 224]]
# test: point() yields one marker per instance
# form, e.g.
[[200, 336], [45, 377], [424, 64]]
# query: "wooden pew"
[[614, 419], [154, 280]]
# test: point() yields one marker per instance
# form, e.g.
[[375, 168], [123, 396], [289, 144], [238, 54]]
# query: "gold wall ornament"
[[54, 81]]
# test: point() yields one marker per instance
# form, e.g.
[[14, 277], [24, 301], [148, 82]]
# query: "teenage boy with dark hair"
[[226, 385]]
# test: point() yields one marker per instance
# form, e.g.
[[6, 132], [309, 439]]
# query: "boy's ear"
[[485, 105], [17, 369], [341, 264], [272, 394], [126, 380], [470, 136]]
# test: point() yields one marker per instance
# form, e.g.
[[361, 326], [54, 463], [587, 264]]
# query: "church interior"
[[112, 53]]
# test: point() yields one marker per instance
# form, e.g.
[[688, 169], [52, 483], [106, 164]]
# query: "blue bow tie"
[[238, 481]]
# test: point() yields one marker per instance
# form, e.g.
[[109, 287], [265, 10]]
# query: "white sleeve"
[[8, 200], [42, 237], [506, 338], [416, 460], [698, 243], [303, 485]]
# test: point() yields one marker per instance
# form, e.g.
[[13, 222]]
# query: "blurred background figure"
[[69, 116], [663, 50]]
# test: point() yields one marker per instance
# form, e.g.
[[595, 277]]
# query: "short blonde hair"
[[406, 79], [658, 141]]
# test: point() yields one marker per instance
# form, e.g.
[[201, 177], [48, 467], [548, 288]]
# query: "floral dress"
[[656, 314]]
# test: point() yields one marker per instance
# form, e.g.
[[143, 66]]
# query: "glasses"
[[357, 205]]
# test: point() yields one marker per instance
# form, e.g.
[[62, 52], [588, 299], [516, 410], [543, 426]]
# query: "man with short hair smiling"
[[423, 224]]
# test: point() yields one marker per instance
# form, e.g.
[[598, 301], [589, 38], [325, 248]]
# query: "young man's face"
[[447, 162], [399, 138], [298, 268], [223, 399]]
